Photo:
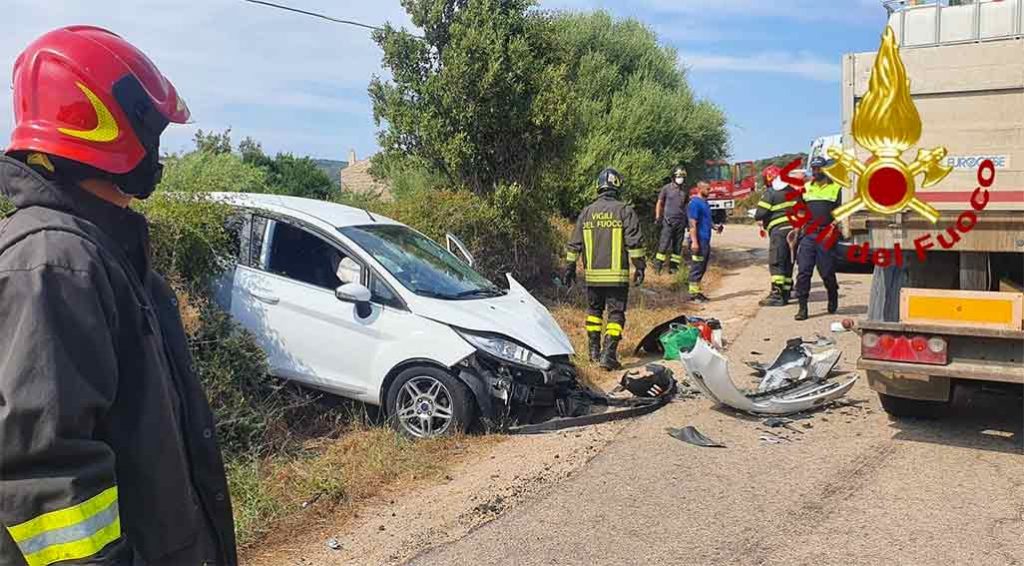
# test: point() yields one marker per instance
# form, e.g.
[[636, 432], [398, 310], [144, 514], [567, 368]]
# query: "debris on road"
[[802, 371], [650, 390], [333, 544], [693, 436], [710, 328], [775, 422]]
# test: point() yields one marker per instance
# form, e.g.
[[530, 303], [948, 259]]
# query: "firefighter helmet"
[[679, 172], [818, 162], [609, 180], [86, 95], [770, 173]]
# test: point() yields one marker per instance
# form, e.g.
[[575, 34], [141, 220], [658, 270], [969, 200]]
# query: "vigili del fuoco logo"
[[887, 124]]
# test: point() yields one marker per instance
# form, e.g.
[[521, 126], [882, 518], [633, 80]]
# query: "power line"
[[321, 16]]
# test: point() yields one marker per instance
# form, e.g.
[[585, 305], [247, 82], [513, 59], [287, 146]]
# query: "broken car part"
[[654, 381], [693, 436], [651, 343], [709, 371]]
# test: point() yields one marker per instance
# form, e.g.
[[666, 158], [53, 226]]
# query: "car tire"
[[900, 407], [427, 402]]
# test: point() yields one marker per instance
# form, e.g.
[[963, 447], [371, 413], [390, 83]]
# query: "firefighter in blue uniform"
[[608, 236], [822, 195]]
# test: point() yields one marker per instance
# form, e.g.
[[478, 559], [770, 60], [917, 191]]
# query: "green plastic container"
[[679, 338]]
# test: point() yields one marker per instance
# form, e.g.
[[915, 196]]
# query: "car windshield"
[[420, 264]]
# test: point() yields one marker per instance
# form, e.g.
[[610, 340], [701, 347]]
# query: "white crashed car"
[[367, 308]]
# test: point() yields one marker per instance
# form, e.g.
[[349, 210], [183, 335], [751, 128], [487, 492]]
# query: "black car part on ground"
[[651, 343], [522, 400], [693, 436]]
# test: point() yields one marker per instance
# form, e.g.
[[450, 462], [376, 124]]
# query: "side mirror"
[[356, 294]]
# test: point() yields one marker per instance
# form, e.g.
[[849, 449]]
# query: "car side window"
[[237, 227], [306, 257]]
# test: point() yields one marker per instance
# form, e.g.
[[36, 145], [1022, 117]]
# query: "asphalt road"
[[851, 487]]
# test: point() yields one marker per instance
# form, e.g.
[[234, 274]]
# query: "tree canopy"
[[498, 93]]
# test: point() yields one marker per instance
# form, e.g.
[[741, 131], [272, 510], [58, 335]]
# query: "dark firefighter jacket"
[[771, 210], [107, 447], [608, 235]]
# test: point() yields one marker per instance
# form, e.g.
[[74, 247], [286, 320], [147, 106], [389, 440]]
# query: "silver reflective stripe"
[[72, 533]]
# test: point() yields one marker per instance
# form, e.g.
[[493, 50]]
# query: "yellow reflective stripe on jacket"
[[764, 205], [606, 276], [71, 533], [616, 249], [637, 253], [588, 246], [782, 206], [777, 221]]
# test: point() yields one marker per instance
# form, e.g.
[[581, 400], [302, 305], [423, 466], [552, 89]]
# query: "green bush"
[[204, 171], [190, 242], [507, 231]]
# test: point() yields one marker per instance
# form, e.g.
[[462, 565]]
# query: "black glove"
[[639, 271], [659, 221], [569, 277]]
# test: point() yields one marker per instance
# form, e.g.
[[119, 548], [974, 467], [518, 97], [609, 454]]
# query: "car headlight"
[[506, 350]]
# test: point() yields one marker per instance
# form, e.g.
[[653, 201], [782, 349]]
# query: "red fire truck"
[[729, 182]]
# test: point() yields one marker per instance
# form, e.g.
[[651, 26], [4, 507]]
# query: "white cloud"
[[800, 64], [235, 62]]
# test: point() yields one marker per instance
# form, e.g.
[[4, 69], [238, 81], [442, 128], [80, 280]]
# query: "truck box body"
[[966, 70], [969, 91]]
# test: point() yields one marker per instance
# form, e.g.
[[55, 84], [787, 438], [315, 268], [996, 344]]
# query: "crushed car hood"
[[517, 315]]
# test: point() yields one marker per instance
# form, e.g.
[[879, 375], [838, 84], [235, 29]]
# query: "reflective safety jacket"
[[108, 451], [821, 200], [771, 210], [608, 235]]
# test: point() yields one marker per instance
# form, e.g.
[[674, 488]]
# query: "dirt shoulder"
[[490, 479]]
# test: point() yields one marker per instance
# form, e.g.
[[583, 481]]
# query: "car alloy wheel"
[[425, 407]]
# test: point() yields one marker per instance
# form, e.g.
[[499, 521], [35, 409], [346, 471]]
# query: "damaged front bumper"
[[521, 400], [709, 372], [508, 393]]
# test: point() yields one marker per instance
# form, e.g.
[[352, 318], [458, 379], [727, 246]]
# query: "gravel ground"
[[848, 486]]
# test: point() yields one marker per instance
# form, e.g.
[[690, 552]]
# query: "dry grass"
[[282, 493], [661, 298]]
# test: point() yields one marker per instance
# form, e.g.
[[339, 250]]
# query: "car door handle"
[[265, 298]]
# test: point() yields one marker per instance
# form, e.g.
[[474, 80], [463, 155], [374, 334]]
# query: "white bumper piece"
[[709, 372]]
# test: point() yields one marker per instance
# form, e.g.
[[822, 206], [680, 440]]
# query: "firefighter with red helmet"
[[777, 199], [108, 451]]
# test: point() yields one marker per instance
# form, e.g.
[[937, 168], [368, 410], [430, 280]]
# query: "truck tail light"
[[914, 349]]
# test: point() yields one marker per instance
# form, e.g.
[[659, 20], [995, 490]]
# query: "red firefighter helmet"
[[87, 95], [771, 173]]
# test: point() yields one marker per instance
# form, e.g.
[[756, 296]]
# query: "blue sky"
[[299, 84]]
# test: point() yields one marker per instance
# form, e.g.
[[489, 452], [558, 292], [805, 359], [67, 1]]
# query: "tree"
[[472, 98], [204, 172], [213, 142], [287, 174], [634, 108]]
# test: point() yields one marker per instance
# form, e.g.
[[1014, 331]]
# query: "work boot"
[[594, 341], [801, 312], [657, 267], [774, 299], [699, 298], [673, 269], [610, 355], [833, 301], [786, 295]]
